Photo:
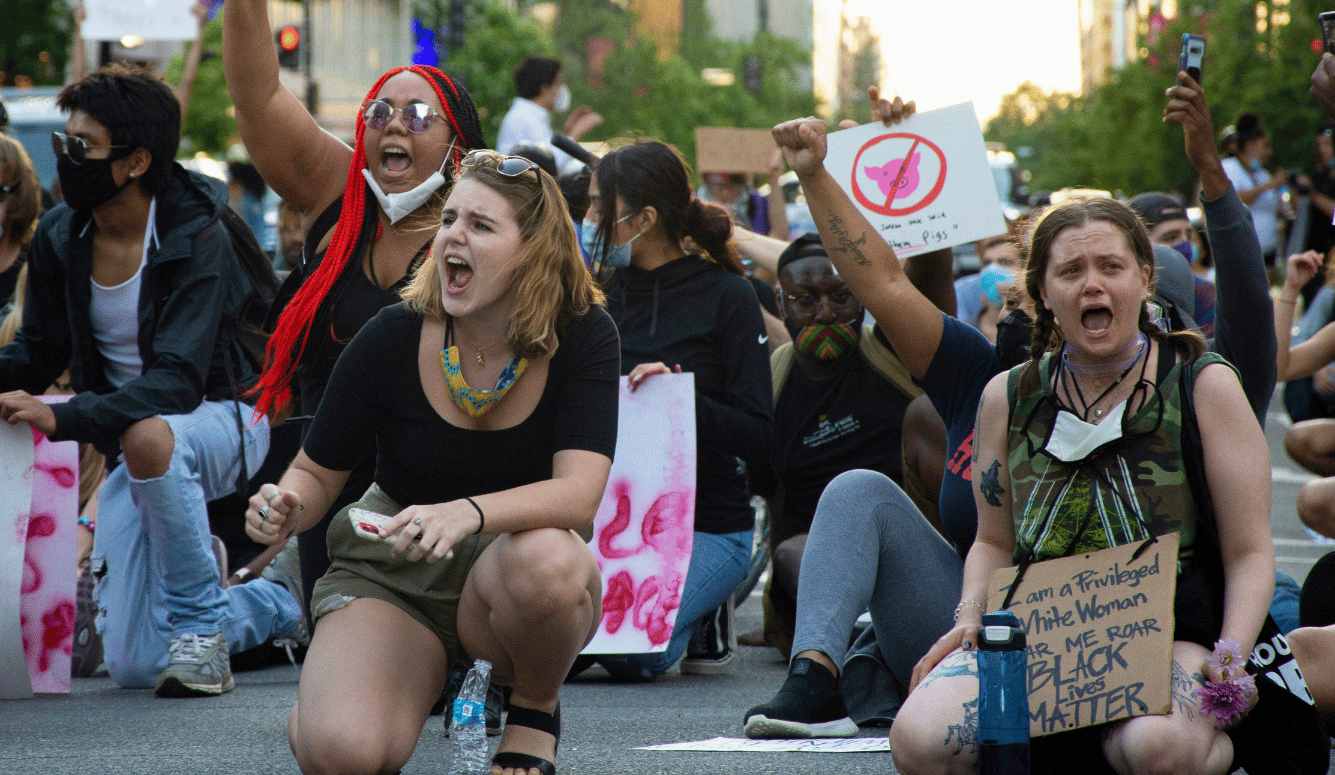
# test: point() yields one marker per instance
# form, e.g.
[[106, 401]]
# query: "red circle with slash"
[[886, 208]]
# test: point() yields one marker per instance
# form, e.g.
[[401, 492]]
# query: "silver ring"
[[264, 514], [417, 521], [269, 498]]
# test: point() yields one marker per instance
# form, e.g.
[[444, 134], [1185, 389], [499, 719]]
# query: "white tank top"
[[114, 314]]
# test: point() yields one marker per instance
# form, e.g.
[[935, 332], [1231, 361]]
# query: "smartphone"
[[367, 524], [1193, 56], [1327, 22]]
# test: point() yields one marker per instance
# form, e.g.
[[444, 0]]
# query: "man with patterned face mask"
[[840, 396]]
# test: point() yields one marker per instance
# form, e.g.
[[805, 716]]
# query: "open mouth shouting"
[[1096, 321], [457, 275], [395, 161]]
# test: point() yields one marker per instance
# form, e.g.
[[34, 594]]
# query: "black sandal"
[[533, 719]]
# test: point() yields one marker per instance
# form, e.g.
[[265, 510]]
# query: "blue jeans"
[[718, 564], [153, 555]]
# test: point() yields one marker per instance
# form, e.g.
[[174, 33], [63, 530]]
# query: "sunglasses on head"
[[417, 116], [75, 147], [509, 166]]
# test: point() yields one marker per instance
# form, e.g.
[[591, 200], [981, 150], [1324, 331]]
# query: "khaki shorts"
[[428, 592]]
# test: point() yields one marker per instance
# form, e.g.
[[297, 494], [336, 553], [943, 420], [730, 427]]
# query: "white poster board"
[[924, 184], [148, 19], [645, 525]]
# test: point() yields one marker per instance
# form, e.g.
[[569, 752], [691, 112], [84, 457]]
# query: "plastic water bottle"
[[1003, 696], [468, 724]]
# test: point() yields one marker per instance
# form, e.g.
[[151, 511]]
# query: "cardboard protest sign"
[[148, 19], [725, 149], [645, 525], [924, 184], [1100, 634]]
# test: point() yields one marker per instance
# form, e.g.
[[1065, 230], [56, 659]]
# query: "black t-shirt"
[[1321, 234], [823, 428], [375, 401]]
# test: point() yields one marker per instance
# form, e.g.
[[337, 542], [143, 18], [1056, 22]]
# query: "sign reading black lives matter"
[[1100, 634]]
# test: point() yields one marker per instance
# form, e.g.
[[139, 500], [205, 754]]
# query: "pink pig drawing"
[[885, 174]]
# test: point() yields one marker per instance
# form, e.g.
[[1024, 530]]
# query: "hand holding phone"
[[1327, 22], [367, 524], [1193, 56]]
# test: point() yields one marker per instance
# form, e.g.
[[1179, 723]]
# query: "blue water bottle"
[[1003, 696]]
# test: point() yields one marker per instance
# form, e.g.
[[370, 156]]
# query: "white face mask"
[[399, 206], [1073, 439], [562, 102]]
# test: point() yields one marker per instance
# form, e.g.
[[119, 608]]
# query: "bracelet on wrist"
[[963, 603], [89, 523], [481, 518]]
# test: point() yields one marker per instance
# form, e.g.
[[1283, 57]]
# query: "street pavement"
[[99, 728]]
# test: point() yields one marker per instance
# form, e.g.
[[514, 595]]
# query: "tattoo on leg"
[[953, 667], [965, 732], [843, 243], [1185, 700], [989, 484]]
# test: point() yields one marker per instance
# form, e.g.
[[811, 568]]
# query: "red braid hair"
[[287, 344]]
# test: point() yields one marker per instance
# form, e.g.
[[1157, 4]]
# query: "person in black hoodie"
[[687, 312], [134, 287]]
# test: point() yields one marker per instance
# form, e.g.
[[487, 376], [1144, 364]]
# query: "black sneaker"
[[713, 645], [808, 705], [498, 698]]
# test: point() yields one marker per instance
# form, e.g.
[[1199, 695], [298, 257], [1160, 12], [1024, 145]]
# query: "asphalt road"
[[99, 728]]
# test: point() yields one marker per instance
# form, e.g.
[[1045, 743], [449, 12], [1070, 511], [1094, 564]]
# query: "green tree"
[[35, 42], [208, 124]]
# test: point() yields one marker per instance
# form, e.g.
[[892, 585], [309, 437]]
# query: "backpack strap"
[[886, 363], [780, 366]]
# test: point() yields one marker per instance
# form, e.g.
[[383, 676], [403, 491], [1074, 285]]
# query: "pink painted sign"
[[38, 574], [645, 524]]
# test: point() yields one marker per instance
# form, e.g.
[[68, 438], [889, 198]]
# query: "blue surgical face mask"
[[618, 257], [1188, 248], [1256, 165], [992, 276]]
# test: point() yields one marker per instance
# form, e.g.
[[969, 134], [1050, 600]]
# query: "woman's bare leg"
[[369, 680], [532, 601]]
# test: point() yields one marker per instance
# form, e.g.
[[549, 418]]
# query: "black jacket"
[[694, 313], [192, 291]]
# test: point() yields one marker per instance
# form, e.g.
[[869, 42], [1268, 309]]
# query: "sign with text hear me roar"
[[924, 184], [643, 531], [1099, 632]]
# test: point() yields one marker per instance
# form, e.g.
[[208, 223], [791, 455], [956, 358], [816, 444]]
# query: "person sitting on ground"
[[134, 286], [840, 399], [539, 91], [368, 213], [1091, 268], [1167, 222], [490, 493], [894, 561], [687, 312]]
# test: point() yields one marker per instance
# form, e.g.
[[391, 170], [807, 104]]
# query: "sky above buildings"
[[941, 52]]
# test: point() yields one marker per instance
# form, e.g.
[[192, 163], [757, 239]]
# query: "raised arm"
[[864, 259], [192, 59], [1299, 360], [778, 206], [305, 165]]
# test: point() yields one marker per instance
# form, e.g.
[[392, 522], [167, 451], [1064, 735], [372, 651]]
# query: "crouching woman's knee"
[[148, 446], [546, 571], [322, 750], [936, 730]]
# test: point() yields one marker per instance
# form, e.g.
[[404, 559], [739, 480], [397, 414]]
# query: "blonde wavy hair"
[[552, 285]]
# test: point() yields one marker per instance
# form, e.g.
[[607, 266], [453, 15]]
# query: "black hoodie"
[[694, 313]]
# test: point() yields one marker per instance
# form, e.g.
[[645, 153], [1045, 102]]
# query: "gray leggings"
[[870, 548]]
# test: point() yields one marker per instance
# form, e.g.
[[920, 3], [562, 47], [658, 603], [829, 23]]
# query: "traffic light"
[[289, 47]]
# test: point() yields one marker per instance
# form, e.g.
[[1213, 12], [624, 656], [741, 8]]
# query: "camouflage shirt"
[[1124, 491]]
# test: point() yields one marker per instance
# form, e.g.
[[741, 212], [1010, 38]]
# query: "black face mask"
[[90, 184], [1013, 336]]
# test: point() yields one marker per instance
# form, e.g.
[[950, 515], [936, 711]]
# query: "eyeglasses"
[[75, 147], [509, 166], [417, 116]]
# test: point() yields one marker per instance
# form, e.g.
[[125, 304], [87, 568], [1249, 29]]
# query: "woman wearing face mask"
[[1257, 188], [687, 312], [368, 211]]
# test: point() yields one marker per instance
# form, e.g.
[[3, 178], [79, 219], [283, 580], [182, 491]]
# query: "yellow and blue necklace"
[[472, 401]]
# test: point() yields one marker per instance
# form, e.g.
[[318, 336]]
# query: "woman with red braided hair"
[[369, 213]]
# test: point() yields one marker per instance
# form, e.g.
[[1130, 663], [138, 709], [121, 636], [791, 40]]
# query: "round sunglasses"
[[509, 166], [75, 147], [417, 116]]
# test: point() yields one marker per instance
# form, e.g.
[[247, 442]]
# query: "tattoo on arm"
[[965, 732], [843, 243], [1185, 700], [989, 484]]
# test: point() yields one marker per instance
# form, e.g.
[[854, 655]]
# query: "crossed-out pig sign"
[[645, 523]]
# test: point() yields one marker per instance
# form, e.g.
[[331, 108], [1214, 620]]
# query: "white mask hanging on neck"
[[562, 102], [398, 206]]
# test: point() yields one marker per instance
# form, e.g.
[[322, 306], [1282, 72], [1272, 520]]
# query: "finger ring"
[[417, 521], [264, 514], [269, 498]]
